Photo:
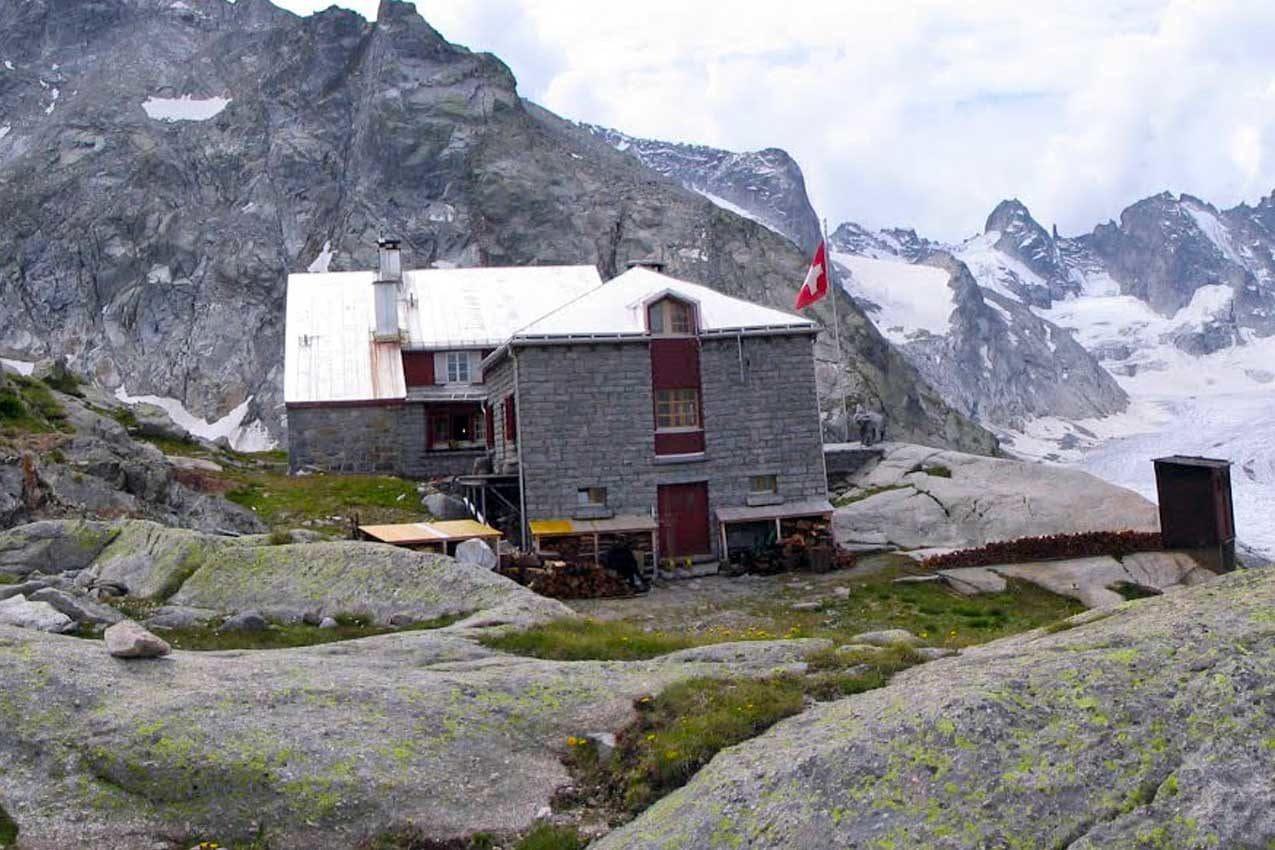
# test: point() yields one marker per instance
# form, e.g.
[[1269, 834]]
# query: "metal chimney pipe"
[[388, 281]]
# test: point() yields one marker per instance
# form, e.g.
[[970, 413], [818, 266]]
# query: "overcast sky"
[[920, 113]]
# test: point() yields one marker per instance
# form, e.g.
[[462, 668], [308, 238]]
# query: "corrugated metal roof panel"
[[617, 308], [328, 350], [482, 307]]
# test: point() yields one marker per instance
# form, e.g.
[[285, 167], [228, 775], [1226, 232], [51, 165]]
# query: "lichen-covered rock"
[[326, 746], [129, 640], [369, 580], [53, 546], [1146, 725], [152, 561], [79, 608], [888, 637], [920, 497]]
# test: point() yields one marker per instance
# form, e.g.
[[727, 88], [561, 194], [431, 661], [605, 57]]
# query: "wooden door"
[[684, 529]]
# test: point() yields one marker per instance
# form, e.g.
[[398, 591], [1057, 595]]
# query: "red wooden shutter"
[[418, 368], [489, 425]]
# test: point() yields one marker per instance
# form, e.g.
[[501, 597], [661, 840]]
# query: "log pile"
[[554, 576], [806, 544], [1052, 547]]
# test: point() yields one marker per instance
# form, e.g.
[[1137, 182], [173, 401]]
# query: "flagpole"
[[836, 324]]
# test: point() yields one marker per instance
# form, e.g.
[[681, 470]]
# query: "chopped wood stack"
[[558, 578], [807, 544]]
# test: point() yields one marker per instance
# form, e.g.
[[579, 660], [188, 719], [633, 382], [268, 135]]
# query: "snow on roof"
[[617, 307], [483, 307]]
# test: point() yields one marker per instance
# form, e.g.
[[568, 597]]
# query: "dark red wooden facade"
[[675, 366], [418, 368]]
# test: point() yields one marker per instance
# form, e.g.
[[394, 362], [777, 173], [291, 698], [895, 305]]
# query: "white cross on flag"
[[816, 283]]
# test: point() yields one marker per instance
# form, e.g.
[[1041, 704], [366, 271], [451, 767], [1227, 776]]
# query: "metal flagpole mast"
[[836, 324]]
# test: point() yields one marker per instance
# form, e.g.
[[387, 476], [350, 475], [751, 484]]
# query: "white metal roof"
[[331, 356], [617, 308], [328, 352], [482, 307]]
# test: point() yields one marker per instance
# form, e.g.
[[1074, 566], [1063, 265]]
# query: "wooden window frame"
[[669, 316], [585, 497], [461, 357], [677, 410]]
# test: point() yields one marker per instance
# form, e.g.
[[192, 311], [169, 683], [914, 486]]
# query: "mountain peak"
[[1007, 213]]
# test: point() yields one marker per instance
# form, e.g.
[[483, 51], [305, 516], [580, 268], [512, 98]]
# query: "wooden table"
[[433, 534]]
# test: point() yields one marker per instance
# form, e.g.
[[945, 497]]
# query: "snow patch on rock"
[[321, 262], [244, 437], [184, 108], [908, 299]]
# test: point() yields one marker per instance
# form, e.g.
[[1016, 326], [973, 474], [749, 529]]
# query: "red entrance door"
[[684, 520]]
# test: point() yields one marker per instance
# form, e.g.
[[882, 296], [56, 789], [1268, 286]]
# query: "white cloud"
[[923, 112]]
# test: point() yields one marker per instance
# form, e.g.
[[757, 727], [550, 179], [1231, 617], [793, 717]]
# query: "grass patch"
[[5, 578], [290, 636], [8, 829], [177, 448], [64, 382], [930, 610], [937, 471], [283, 500], [866, 493], [585, 640], [549, 837], [543, 837], [27, 406], [681, 729]]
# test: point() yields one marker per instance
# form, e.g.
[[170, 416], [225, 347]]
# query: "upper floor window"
[[676, 409], [668, 316], [459, 369]]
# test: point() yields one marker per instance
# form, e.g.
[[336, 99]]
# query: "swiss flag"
[[816, 283]]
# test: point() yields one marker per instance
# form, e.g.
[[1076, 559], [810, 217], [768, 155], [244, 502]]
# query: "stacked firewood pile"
[[569, 572], [1052, 547], [807, 544]]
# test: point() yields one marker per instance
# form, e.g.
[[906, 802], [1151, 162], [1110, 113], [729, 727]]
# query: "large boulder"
[[53, 546], [25, 614], [339, 745], [151, 561], [1144, 725], [368, 580], [129, 640], [919, 497]]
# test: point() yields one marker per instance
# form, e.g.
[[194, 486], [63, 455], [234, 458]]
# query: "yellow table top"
[[617, 524], [447, 531]]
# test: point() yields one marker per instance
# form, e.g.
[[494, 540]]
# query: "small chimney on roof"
[[655, 265], [388, 281]]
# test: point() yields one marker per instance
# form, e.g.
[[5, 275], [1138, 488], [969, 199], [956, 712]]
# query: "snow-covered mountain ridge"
[[1175, 302]]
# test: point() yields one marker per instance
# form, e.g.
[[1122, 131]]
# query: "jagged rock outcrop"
[[94, 469], [1001, 363], [1147, 725], [852, 238], [765, 185], [1021, 238], [164, 166]]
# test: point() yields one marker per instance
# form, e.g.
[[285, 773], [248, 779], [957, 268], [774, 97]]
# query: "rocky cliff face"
[[164, 165], [765, 185]]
